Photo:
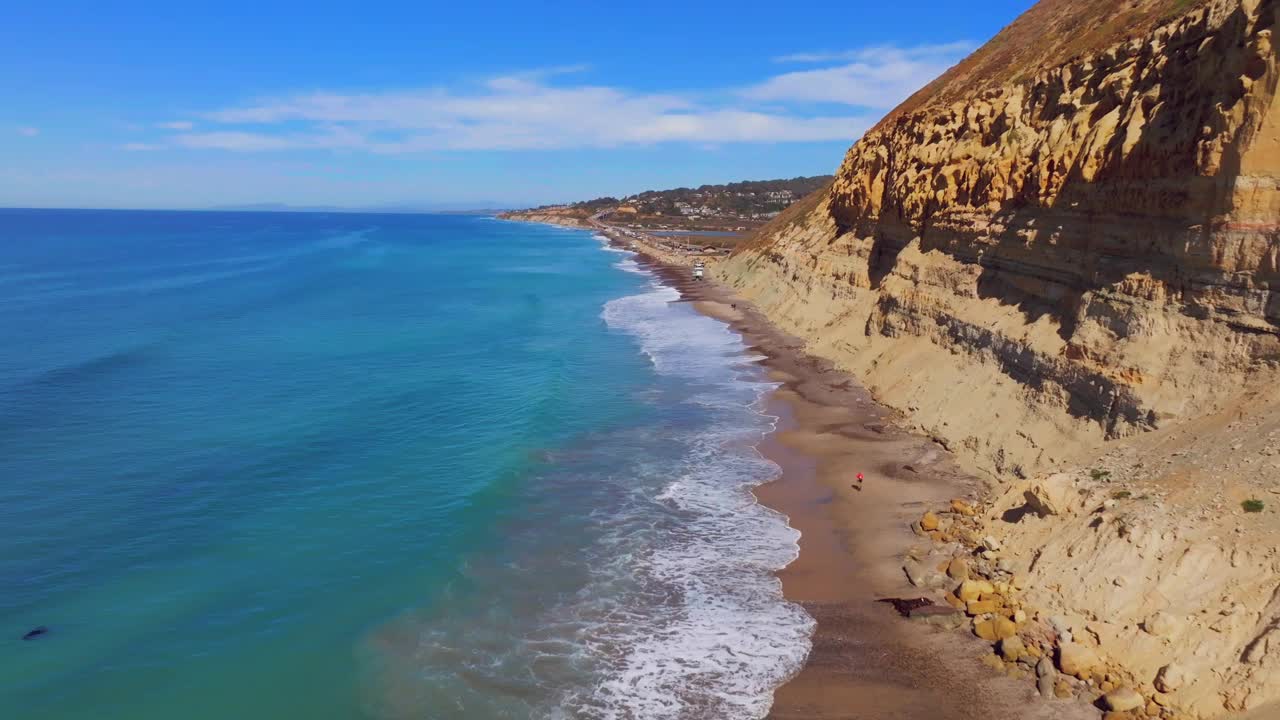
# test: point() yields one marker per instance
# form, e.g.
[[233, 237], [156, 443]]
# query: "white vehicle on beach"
[[699, 268]]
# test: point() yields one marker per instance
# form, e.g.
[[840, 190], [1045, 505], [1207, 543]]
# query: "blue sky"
[[180, 105]]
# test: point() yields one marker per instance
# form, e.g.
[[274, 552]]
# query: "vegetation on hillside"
[[748, 200]]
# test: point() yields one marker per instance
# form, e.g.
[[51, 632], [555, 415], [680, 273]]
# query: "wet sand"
[[867, 663]]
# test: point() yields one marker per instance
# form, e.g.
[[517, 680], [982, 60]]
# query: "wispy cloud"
[[545, 73], [28, 131], [508, 113], [531, 111], [872, 78], [945, 50], [176, 125], [333, 139]]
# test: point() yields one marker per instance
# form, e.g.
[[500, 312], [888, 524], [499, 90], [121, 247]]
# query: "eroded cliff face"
[[1064, 255], [1085, 251]]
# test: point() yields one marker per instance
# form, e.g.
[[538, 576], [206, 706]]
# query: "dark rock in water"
[[906, 606], [33, 634]]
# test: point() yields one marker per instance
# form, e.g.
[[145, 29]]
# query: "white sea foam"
[[726, 638], [627, 263], [607, 245], [630, 265], [674, 610], [677, 340]]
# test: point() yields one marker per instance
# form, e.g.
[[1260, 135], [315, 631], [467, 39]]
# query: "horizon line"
[[279, 211]]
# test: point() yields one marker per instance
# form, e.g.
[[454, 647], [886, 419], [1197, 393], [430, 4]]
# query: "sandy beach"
[[867, 662]]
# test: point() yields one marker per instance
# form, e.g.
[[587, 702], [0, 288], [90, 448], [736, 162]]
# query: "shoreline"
[[865, 661]]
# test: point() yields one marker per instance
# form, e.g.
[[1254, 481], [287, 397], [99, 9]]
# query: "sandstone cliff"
[[1064, 255], [1083, 252], [567, 217]]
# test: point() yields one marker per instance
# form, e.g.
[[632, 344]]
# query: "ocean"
[[273, 465]]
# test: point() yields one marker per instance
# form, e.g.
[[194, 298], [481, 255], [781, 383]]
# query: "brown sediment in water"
[[866, 662]]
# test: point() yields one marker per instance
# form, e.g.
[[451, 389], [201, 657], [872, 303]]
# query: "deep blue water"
[[261, 465]]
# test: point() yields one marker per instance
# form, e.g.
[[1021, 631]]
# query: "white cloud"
[[176, 125], [526, 111], [336, 138], [544, 73], [138, 147], [28, 131], [509, 113], [874, 78], [870, 54]]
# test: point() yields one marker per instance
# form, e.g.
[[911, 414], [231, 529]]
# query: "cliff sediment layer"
[[1063, 256]]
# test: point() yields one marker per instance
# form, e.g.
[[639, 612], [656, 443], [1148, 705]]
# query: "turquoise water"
[[374, 466]]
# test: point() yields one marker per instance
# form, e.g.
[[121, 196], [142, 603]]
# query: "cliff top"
[[1050, 34]]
